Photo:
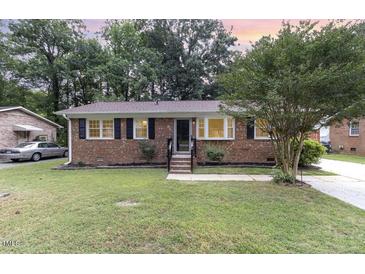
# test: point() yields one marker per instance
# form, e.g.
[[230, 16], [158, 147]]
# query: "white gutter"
[[69, 137]]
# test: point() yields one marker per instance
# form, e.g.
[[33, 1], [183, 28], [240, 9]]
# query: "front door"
[[182, 135]]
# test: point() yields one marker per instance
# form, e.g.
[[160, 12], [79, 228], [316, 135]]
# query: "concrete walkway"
[[218, 177], [349, 190]]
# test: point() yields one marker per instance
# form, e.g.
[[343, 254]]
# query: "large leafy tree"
[[297, 80], [12, 93], [2, 63], [193, 53], [39, 49], [84, 73], [131, 67]]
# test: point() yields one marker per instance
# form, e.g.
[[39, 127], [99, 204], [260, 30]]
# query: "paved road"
[[10, 164]]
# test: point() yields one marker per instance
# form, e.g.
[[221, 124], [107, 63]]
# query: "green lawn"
[[254, 170], [346, 158], [53, 211]]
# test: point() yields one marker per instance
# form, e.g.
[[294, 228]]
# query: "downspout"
[[69, 139]]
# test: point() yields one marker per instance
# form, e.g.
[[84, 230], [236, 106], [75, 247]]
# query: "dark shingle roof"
[[145, 107]]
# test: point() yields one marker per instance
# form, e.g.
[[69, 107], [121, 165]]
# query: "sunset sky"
[[244, 29]]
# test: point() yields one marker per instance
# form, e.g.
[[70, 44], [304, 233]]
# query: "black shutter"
[[117, 133], [250, 125], [151, 128], [129, 128], [82, 128]]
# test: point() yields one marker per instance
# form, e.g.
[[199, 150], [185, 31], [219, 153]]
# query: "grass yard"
[[346, 158], [52, 211], [255, 170]]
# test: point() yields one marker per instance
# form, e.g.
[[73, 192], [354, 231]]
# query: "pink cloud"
[[252, 30], [246, 30]]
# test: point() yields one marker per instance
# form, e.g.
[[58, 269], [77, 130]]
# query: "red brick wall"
[[119, 151], [240, 150], [126, 151], [315, 135], [339, 136], [10, 138]]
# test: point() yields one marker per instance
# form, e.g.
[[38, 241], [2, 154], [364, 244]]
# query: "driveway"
[[9, 164], [352, 170], [348, 187]]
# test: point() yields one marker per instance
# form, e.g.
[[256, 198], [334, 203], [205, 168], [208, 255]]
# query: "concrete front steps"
[[180, 164]]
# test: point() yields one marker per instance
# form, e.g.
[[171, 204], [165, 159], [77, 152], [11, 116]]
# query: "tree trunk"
[[297, 155], [56, 92], [287, 154]]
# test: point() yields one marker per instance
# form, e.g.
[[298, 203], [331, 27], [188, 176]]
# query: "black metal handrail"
[[169, 153], [192, 152]]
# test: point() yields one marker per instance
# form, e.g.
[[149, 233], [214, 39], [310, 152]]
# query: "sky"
[[246, 30]]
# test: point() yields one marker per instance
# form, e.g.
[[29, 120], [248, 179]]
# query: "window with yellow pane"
[[94, 129], [230, 128], [215, 128], [201, 128], [108, 129], [260, 129], [141, 129], [101, 129]]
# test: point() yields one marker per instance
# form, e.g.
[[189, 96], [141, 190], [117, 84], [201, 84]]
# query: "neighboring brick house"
[[18, 124], [348, 137], [109, 133]]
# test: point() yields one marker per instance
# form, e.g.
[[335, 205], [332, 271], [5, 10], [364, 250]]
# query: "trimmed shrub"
[[280, 177], [148, 150], [214, 153], [311, 153]]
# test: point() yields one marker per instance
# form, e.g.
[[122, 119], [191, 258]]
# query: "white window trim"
[[134, 129], [206, 128], [350, 127], [100, 130], [259, 137]]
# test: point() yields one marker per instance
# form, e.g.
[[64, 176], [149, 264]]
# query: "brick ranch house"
[[348, 137], [109, 134], [18, 124]]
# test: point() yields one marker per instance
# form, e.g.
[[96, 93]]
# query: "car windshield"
[[25, 145]]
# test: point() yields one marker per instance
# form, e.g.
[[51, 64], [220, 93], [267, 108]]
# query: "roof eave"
[[130, 113], [34, 114]]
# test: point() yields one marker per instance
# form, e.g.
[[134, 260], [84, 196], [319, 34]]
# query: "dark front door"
[[182, 135]]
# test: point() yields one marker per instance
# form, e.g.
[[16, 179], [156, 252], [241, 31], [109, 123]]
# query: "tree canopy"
[[193, 53], [39, 49], [305, 76], [131, 67], [130, 60]]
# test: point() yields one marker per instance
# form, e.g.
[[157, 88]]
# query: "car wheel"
[[65, 154], [36, 157]]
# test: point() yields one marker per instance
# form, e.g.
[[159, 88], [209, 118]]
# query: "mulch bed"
[[78, 167], [297, 183]]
